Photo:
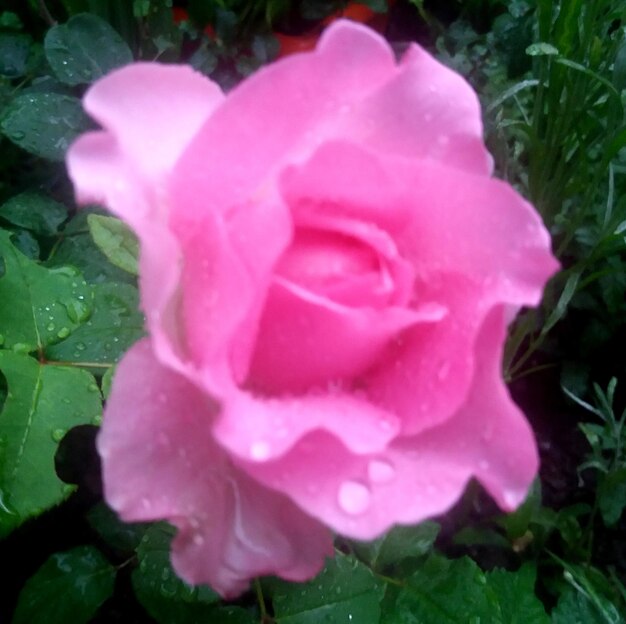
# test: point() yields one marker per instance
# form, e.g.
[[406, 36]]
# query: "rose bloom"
[[327, 270]]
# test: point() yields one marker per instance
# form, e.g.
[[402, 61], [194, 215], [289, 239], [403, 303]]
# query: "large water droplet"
[[380, 471], [259, 450], [353, 497], [64, 332]]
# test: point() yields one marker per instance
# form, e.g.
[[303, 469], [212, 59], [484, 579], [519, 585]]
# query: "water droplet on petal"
[[353, 497], [260, 450], [385, 425], [380, 471], [444, 371], [512, 499]]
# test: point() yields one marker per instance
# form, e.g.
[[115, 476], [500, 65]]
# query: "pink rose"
[[326, 270]]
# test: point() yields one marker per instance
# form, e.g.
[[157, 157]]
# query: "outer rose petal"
[[349, 88], [153, 111], [416, 477], [160, 461], [149, 113]]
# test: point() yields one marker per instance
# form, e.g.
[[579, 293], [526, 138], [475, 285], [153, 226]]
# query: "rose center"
[[336, 266]]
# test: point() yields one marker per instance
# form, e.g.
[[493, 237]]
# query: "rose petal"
[[343, 89], [361, 496], [305, 341], [425, 375], [411, 116], [153, 111], [441, 219], [160, 461], [259, 428]]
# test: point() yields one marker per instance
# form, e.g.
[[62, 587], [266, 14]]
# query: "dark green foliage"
[[69, 587]]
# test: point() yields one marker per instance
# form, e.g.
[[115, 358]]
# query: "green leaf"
[[515, 592], [44, 124], [85, 49], [576, 608], [78, 249], [69, 587], [442, 591], [612, 496], [107, 381], [121, 536], [14, 51], [42, 403], [46, 305], [116, 241], [398, 544], [113, 327], [25, 243], [34, 212], [165, 596], [445, 591], [8, 19], [345, 591]]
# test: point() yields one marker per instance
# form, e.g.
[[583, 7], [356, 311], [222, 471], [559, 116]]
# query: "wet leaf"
[[69, 587], [41, 306], [398, 544], [42, 403], [44, 124], [114, 326], [78, 249], [14, 51], [35, 212], [116, 241], [165, 596], [447, 591], [85, 49], [344, 592]]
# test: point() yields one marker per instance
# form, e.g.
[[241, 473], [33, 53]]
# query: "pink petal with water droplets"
[[160, 461], [413, 478]]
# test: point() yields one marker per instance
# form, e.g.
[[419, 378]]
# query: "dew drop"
[[259, 450], [50, 327], [511, 499], [385, 425], [80, 346], [444, 371], [64, 332], [198, 540], [380, 471], [353, 497], [97, 420], [57, 434]]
